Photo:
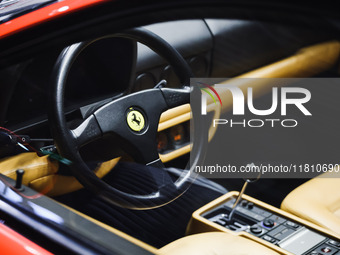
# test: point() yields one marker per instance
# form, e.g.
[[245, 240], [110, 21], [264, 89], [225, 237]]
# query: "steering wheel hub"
[[135, 119]]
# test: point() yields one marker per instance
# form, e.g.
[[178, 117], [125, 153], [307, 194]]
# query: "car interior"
[[63, 127]]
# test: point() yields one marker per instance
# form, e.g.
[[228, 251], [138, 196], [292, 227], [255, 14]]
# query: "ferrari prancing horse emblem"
[[135, 120]]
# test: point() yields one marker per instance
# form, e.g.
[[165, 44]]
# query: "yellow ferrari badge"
[[135, 120]]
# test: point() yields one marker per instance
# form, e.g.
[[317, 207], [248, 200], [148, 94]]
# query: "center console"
[[265, 224]]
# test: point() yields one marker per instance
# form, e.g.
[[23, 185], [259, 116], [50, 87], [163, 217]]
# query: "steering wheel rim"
[[67, 141]]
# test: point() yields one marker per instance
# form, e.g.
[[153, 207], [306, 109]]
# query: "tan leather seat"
[[215, 243], [41, 174], [318, 201]]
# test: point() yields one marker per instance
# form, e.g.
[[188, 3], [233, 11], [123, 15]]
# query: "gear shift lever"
[[239, 197]]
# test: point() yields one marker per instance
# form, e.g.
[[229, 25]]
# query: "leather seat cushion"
[[318, 201]]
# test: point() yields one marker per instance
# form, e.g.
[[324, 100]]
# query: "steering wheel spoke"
[[176, 97], [87, 131]]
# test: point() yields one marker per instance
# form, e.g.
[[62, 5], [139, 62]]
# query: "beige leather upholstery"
[[318, 201], [41, 173], [215, 243]]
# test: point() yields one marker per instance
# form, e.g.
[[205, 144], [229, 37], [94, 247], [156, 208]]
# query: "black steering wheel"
[[133, 117]]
